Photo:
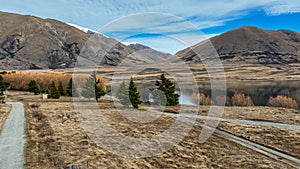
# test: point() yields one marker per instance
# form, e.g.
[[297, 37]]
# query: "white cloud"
[[95, 14]]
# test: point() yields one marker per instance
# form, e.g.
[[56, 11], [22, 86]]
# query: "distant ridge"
[[250, 44]]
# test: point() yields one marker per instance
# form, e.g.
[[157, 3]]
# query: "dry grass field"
[[56, 139], [281, 139]]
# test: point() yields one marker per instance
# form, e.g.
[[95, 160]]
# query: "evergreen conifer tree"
[[93, 88], [61, 89], [123, 94], [71, 89], [134, 95], [54, 93], [34, 87], [168, 88]]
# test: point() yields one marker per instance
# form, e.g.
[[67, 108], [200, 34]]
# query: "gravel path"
[[12, 138]]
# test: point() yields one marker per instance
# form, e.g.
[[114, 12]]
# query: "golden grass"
[[56, 139]]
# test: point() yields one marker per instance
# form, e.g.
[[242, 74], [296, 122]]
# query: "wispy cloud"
[[97, 14]]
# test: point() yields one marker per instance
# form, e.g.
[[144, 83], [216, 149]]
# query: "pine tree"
[[54, 93], [61, 89], [134, 95], [3, 87], [123, 94], [34, 87], [71, 89], [93, 88], [168, 88]]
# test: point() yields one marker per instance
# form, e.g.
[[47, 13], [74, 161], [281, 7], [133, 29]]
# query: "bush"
[[239, 99], [282, 101], [203, 99]]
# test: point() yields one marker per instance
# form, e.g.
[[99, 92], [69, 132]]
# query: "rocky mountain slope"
[[148, 54], [250, 45], [28, 42]]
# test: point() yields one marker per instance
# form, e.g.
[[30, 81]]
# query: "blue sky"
[[164, 24]]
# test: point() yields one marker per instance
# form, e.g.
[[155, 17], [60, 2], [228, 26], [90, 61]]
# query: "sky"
[[165, 25]]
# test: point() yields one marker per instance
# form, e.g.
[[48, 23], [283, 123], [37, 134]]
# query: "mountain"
[[148, 54], [250, 45], [28, 42]]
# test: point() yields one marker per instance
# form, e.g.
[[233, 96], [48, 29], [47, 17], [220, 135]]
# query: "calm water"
[[259, 91]]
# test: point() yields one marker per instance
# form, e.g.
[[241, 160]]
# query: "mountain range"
[[28, 42], [250, 45]]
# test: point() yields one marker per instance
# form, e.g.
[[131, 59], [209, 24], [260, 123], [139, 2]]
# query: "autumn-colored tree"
[[203, 99], [282, 101], [239, 99]]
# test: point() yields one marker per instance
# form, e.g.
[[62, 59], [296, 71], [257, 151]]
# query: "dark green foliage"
[[168, 88], [134, 95], [93, 88], [61, 89], [54, 93], [48, 92], [123, 94], [34, 87], [3, 87], [71, 89]]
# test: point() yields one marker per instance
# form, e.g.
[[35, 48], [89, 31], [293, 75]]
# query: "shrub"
[[239, 99], [282, 101], [203, 99]]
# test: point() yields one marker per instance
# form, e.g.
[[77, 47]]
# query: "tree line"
[[92, 88]]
